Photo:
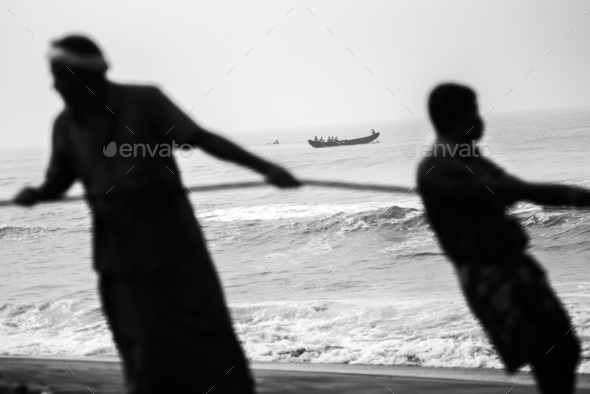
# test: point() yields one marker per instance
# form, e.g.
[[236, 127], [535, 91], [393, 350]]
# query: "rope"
[[248, 185]]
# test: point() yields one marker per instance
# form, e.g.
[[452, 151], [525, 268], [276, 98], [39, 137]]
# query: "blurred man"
[[466, 198], [160, 292]]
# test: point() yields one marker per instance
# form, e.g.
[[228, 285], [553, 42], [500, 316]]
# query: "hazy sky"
[[288, 64]]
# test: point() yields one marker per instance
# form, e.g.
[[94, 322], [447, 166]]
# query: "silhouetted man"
[[160, 292], [466, 198]]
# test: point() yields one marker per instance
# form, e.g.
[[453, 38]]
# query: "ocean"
[[311, 275]]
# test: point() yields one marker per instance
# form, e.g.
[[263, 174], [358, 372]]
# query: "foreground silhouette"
[[159, 289], [466, 197]]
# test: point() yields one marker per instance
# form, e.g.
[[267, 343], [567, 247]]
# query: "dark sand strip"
[[84, 376]]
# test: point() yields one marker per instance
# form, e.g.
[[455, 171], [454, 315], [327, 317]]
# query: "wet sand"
[[104, 376]]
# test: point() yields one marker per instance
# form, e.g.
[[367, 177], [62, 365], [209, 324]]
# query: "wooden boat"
[[356, 141]]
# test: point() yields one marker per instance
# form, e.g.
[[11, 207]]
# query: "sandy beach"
[[100, 376]]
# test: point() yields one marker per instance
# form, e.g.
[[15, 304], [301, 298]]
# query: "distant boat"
[[276, 142], [356, 141]]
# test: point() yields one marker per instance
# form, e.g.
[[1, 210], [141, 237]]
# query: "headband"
[[93, 62]]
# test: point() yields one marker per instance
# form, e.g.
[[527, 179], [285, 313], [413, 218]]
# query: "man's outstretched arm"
[[177, 127], [224, 149], [59, 177], [551, 194], [515, 189], [451, 178]]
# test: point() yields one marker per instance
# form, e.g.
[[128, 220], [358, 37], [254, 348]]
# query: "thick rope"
[[245, 185]]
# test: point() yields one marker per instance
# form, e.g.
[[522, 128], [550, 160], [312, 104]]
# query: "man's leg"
[[555, 371], [190, 344], [569, 356], [548, 377], [124, 322]]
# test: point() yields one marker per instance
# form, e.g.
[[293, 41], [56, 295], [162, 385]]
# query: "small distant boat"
[[276, 142], [356, 141]]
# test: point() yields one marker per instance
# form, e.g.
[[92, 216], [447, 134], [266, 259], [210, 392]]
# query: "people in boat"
[[373, 131], [336, 139], [316, 138], [466, 198], [159, 289]]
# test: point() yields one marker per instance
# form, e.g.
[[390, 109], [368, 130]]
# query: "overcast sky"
[[283, 64]]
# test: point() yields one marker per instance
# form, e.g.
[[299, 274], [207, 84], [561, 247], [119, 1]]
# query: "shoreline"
[[105, 374]]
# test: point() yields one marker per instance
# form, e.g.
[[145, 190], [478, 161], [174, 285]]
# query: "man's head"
[[454, 113], [79, 70]]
